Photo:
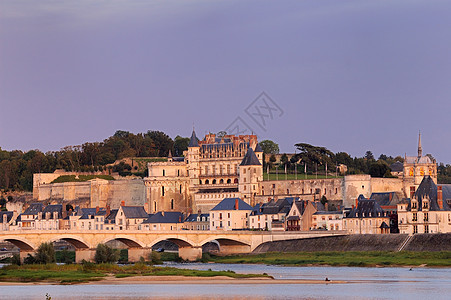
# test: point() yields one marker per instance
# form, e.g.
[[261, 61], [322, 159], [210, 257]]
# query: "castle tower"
[[251, 173], [193, 160], [259, 152]]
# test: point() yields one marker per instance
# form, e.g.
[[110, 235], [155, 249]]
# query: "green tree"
[[45, 254], [269, 147], [162, 141], [106, 254], [180, 145]]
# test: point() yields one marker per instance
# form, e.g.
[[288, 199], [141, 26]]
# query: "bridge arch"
[[21, 243], [179, 241], [75, 241], [127, 240], [225, 241]]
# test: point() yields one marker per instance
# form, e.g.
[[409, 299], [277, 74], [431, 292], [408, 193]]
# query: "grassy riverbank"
[[72, 273], [352, 259]]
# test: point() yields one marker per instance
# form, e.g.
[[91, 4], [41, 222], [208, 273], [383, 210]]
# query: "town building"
[[327, 220], [230, 214], [197, 221], [163, 221], [428, 211], [366, 218]]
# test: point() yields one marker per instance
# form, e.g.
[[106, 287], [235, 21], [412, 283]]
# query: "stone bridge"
[[140, 242]]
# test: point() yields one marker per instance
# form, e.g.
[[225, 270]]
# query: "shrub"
[[106, 254], [15, 260], [155, 258]]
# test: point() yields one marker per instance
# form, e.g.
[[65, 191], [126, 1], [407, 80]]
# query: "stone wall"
[[361, 242], [96, 192]]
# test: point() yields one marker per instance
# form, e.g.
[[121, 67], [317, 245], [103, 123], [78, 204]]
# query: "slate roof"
[[52, 209], [332, 212], [397, 167], [250, 159], [258, 148], [427, 188], [193, 142], [135, 212], [385, 199], [229, 204], [111, 218], [8, 214], [167, 217], [193, 217], [416, 160], [33, 209], [281, 206], [366, 208]]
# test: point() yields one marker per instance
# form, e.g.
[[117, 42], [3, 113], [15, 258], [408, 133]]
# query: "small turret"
[[193, 142], [420, 149]]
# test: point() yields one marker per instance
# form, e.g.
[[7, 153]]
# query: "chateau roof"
[[166, 217], [250, 159], [193, 142], [418, 160], [229, 204]]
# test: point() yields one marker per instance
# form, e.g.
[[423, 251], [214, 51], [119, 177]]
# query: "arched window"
[[207, 181], [229, 180], [172, 203], [236, 180], [214, 181], [200, 181], [221, 181]]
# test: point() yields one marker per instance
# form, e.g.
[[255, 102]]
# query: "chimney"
[[412, 192], [108, 210], [440, 197], [180, 219], [122, 203], [390, 196], [326, 206], [236, 204], [162, 213], [352, 206], [97, 209]]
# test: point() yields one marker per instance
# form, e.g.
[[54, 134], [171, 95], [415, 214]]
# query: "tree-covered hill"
[[17, 167]]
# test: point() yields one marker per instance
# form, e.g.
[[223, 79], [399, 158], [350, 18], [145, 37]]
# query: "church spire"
[[420, 150]]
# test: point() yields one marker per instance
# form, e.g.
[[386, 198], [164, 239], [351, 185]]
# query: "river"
[[367, 283]]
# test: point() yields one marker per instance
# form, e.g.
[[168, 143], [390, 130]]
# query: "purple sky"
[[349, 75]]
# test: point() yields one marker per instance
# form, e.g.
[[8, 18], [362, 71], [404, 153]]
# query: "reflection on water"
[[371, 283]]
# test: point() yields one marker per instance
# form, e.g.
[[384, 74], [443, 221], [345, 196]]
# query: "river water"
[[366, 283]]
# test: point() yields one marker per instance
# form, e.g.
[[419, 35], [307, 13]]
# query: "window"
[[414, 217], [172, 203], [415, 229], [162, 191], [164, 172], [426, 228], [155, 206], [180, 189]]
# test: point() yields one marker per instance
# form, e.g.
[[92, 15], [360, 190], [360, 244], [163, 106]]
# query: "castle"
[[229, 166], [212, 169]]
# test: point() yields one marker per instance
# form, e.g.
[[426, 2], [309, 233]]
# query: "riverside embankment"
[[362, 242]]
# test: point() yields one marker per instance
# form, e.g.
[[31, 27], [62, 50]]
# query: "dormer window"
[[414, 204]]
